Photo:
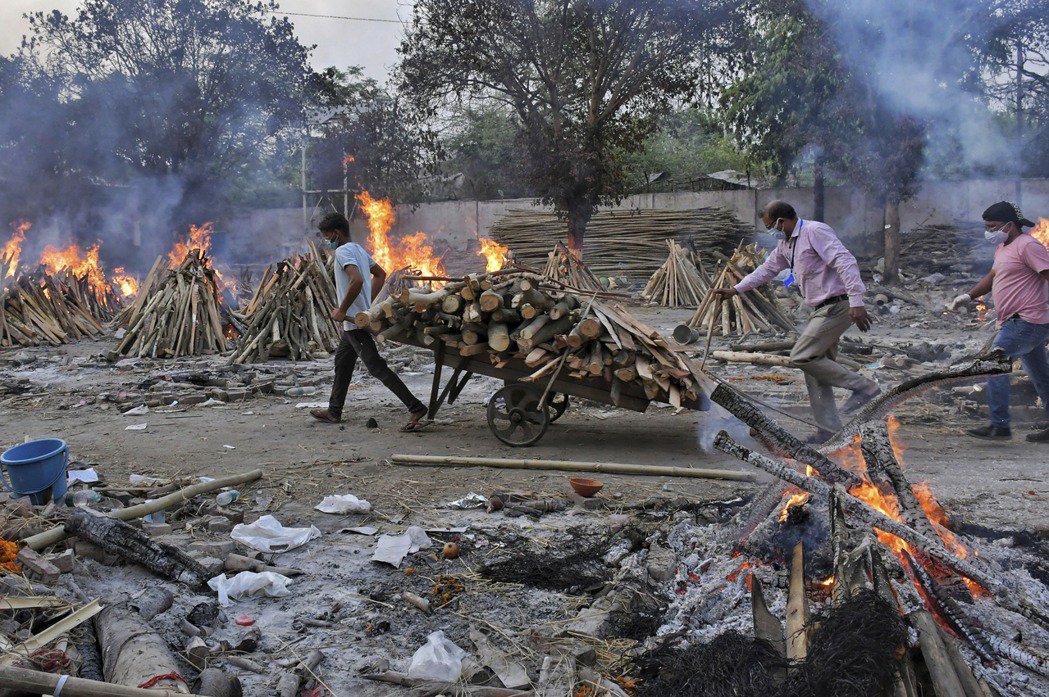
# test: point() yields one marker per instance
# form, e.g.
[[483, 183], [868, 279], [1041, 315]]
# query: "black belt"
[[831, 301]]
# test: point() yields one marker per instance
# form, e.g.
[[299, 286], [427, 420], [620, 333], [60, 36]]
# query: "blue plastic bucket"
[[36, 467]]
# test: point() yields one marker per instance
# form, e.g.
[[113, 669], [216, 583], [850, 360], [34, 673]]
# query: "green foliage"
[[588, 81], [688, 145], [485, 150]]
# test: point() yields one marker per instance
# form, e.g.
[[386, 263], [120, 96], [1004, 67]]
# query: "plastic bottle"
[[83, 497], [301, 391], [227, 497]]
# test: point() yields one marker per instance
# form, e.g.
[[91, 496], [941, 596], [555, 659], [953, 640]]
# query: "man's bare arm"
[[983, 287], [378, 280]]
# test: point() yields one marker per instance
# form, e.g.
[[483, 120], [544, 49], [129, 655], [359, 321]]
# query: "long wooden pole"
[[37, 682], [57, 534], [568, 466]]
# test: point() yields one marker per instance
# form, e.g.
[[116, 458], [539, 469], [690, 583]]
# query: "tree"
[[587, 80], [373, 140], [192, 96], [484, 149]]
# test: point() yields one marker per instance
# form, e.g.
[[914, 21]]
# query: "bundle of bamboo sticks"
[[288, 315], [754, 311], [519, 316], [565, 267], [182, 315], [677, 283], [621, 242], [149, 287], [36, 309]]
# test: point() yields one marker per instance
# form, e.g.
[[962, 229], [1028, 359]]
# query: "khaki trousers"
[[814, 353]]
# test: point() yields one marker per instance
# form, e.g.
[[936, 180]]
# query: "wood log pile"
[[183, 315], [519, 315], [624, 242], [38, 309], [756, 310], [677, 283], [288, 315], [563, 266]]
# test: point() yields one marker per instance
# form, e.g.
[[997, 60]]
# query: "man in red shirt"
[[1019, 281]]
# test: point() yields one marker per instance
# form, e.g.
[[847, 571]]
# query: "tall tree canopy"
[[587, 79], [188, 96]]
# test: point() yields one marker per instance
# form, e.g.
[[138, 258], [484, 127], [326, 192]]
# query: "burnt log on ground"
[[127, 542]]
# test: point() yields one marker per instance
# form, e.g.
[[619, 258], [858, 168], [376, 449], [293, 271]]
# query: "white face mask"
[[777, 234], [996, 236]]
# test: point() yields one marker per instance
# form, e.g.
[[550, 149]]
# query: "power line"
[[356, 19]]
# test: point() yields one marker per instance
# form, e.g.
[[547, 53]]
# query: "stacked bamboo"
[[754, 311], [182, 315], [563, 266], [521, 316], [149, 287], [677, 283], [102, 302], [622, 242], [35, 310], [288, 315]]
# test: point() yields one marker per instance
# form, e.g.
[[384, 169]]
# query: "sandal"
[[325, 416], [416, 424]]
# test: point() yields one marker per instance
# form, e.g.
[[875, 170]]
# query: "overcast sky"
[[339, 42]]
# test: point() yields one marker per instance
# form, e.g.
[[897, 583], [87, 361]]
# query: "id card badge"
[[788, 281]]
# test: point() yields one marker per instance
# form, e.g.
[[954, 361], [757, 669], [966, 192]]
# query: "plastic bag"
[[438, 659], [247, 583], [392, 549], [343, 503], [267, 535]]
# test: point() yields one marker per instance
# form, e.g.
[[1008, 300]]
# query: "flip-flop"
[[324, 415], [413, 426]]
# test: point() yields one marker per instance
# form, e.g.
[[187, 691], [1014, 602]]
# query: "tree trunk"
[[818, 190], [892, 241], [579, 213]]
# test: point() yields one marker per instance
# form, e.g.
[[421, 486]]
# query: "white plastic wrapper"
[[438, 659], [471, 500], [343, 503], [248, 583], [392, 549], [267, 535]]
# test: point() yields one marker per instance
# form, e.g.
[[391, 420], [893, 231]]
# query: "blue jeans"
[[1026, 341]]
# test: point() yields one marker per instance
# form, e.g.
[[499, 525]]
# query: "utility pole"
[[1019, 121]]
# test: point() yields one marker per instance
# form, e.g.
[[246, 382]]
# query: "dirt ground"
[[1002, 486]]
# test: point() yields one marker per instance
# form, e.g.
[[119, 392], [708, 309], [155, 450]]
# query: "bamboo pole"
[[58, 533], [568, 466], [38, 682]]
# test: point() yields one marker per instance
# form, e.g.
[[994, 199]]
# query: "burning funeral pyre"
[[66, 297], [181, 311]]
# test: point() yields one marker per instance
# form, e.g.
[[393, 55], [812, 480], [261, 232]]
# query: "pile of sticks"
[[622, 242], [563, 266], [288, 315], [38, 309], [183, 315], [754, 311], [515, 315], [677, 283], [103, 303]]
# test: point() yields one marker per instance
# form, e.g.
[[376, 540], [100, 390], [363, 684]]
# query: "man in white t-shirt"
[[352, 266]]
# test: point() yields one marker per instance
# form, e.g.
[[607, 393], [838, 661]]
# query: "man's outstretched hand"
[[860, 318], [724, 293]]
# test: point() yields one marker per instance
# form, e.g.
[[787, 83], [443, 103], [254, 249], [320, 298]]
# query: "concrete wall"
[[455, 225]]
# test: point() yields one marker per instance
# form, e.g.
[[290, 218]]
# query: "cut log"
[[766, 625], [131, 544], [797, 608], [941, 667], [133, 654]]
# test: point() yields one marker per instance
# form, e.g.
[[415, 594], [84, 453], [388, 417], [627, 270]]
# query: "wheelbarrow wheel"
[[514, 416], [556, 405]]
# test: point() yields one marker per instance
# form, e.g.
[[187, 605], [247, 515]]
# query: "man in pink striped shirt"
[[829, 280]]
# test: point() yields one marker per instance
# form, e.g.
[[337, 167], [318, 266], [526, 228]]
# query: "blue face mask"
[[334, 244], [776, 234]]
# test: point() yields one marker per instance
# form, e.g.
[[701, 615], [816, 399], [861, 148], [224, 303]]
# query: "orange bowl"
[[585, 487]]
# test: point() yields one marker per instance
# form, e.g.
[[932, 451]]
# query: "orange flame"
[[10, 252], [128, 284], [898, 448], [348, 160], [1041, 231], [829, 581], [82, 263], [199, 238], [797, 498], [493, 253], [412, 252]]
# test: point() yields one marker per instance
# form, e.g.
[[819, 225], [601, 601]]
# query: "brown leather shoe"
[[325, 416]]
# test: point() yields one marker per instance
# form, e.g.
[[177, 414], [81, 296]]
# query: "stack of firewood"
[[181, 315], [754, 311], [677, 282], [288, 315], [35, 309], [563, 266], [621, 242], [514, 315], [100, 299]]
